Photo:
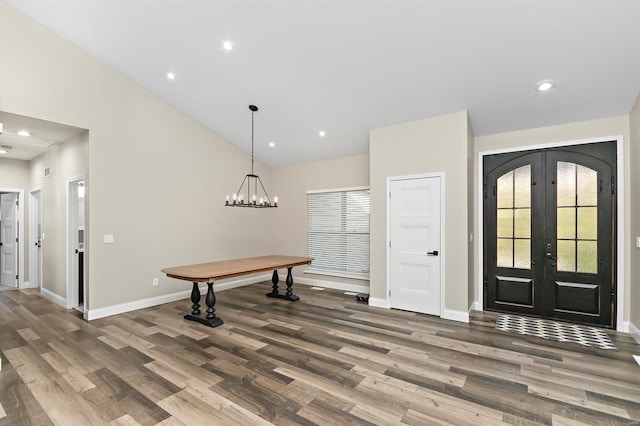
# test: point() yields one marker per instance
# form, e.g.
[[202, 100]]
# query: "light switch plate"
[[108, 239], [638, 242]]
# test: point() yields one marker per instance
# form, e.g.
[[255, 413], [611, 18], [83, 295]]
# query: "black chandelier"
[[255, 200]]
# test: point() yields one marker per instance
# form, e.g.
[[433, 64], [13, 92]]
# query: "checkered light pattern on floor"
[[554, 330]]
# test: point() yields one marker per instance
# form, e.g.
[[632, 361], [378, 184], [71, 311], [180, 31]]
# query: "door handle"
[[550, 256], [77, 251], [432, 253]]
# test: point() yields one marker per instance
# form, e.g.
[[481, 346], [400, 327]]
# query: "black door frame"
[[478, 304]]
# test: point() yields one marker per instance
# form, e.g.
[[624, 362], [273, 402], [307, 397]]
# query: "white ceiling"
[[44, 134], [352, 65]]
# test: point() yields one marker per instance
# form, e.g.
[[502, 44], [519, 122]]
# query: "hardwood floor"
[[326, 359]]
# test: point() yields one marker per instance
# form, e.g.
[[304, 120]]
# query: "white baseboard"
[[623, 326], [92, 314], [449, 314], [356, 288], [378, 303], [635, 332], [476, 306], [53, 297], [459, 316]]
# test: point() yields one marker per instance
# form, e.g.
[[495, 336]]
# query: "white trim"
[[450, 314], [21, 237], [620, 324], [620, 237], [634, 331], [326, 284], [53, 297], [443, 250], [352, 188], [33, 252], [92, 314], [379, 303], [479, 302]]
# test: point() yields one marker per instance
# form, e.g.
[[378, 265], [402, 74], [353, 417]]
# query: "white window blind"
[[338, 232]]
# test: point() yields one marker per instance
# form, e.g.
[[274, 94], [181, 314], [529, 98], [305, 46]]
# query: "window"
[[577, 218], [338, 232], [514, 219]]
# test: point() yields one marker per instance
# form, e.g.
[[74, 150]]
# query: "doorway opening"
[[76, 191], [11, 232]]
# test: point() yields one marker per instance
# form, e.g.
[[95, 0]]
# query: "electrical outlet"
[[155, 282], [108, 239]]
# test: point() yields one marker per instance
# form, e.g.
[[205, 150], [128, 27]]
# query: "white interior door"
[[8, 239], [415, 252]]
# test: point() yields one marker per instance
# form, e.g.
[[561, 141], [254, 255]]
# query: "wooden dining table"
[[214, 271]]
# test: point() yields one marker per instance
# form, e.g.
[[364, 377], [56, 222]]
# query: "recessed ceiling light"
[[545, 85], [24, 133], [227, 45], [171, 76], [2, 151], [272, 144], [322, 133]]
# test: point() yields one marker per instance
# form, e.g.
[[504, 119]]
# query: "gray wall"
[[66, 160], [293, 182], [432, 145], [156, 178], [14, 174]]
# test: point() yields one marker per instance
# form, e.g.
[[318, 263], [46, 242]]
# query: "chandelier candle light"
[[255, 200]]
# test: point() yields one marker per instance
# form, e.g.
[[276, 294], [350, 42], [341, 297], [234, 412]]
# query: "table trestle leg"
[[195, 298], [211, 319], [289, 293]]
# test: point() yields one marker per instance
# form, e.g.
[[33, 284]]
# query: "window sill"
[[364, 277]]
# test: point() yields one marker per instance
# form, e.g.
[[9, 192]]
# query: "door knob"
[[550, 256], [432, 253]]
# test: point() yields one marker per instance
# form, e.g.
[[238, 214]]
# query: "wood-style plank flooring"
[[326, 360]]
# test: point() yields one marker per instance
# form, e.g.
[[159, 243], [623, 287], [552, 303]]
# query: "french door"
[[549, 219]]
